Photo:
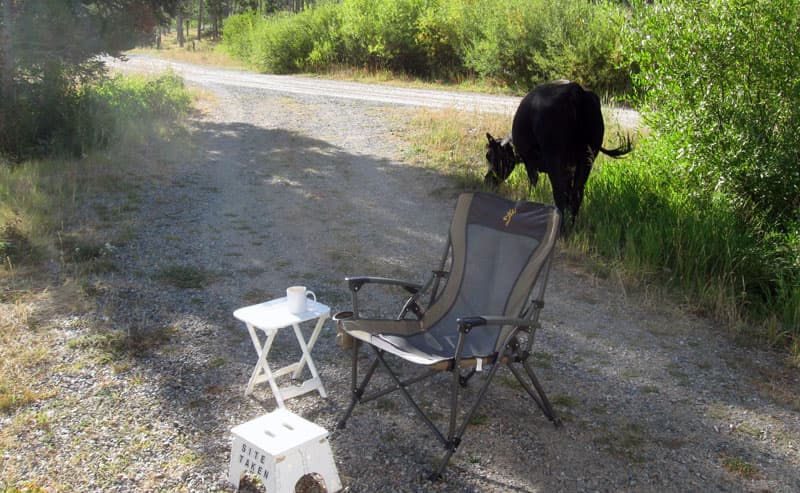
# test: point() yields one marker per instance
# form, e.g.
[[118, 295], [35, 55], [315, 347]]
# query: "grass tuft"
[[741, 467], [184, 276]]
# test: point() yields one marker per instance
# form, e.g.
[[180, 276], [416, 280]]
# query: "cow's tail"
[[624, 148]]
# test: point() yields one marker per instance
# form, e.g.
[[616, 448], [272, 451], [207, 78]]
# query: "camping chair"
[[482, 311]]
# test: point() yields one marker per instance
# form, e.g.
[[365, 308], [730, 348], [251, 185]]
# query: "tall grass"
[[638, 212]]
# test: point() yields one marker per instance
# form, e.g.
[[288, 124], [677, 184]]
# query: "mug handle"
[[312, 295]]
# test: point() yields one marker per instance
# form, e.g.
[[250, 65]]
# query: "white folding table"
[[270, 317]]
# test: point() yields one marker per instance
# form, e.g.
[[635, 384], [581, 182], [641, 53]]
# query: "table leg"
[[262, 365], [306, 359], [311, 341]]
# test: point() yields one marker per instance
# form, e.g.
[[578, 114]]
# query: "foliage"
[[521, 43], [724, 78], [720, 84], [381, 34], [287, 42], [238, 31], [77, 118], [518, 43], [47, 50], [638, 212]]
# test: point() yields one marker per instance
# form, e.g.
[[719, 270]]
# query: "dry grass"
[[203, 52], [23, 354], [54, 220], [453, 141]]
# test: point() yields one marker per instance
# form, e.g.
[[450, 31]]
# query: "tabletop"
[[275, 314]]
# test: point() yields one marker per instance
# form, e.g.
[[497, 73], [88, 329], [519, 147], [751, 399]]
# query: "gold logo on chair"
[[508, 216]]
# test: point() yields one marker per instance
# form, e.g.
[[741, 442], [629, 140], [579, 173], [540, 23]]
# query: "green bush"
[[640, 211], [105, 108], [725, 78], [522, 43], [382, 33], [720, 86], [442, 34], [287, 43], [48, 118], [518, 43], [237, 34]]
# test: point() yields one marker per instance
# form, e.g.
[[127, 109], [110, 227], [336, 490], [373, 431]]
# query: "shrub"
[[287, 43], [382, 33], [725, 78], [720, 83], [640, 211], [522, 43], [74, 117], [237, 34], [517, 42], [441, 36]]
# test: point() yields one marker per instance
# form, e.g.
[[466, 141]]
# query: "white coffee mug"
[[296, 297]]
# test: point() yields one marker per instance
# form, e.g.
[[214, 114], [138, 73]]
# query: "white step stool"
[[279, 448]]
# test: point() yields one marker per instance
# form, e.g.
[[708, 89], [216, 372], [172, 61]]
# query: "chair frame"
[[515, 354]]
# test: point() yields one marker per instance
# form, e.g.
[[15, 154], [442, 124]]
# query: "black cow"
[[558, 130]]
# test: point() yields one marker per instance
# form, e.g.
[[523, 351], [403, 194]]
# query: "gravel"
[[281, 188]]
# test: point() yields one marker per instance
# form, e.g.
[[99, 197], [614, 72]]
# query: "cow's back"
[[546, 122]]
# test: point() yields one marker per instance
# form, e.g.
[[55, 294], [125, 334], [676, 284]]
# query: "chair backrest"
[[499, 248]]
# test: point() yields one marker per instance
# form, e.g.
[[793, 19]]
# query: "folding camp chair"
[[482, 310]]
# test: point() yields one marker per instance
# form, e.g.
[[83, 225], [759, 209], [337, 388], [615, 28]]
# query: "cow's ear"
[[490, 138]]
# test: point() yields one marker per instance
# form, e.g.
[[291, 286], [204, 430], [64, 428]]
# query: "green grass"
[[113, 346], [564, 401], [740, 467], [24, 487], [479, 419]]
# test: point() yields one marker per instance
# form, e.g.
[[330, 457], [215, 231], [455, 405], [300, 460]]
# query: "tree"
[[48, 50]]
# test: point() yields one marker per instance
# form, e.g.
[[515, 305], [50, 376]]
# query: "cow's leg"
[[581, 175], [559, 180], [533, 172]]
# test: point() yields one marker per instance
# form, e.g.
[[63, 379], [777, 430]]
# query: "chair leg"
[[464, 379], [402, 388], [540, 397], [549, 411], [356, 390], [455, 435]]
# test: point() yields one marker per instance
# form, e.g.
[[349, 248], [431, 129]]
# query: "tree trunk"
[[179, 25], [200, 20], [7, 96]]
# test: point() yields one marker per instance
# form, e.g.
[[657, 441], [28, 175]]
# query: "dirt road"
[[278, 188], [288, 84]]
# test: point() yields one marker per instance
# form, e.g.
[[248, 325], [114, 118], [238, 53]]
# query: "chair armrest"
[[465, 324], [355, 283]]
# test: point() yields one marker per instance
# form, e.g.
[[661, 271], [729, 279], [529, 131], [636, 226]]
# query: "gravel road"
[[283, 187]]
